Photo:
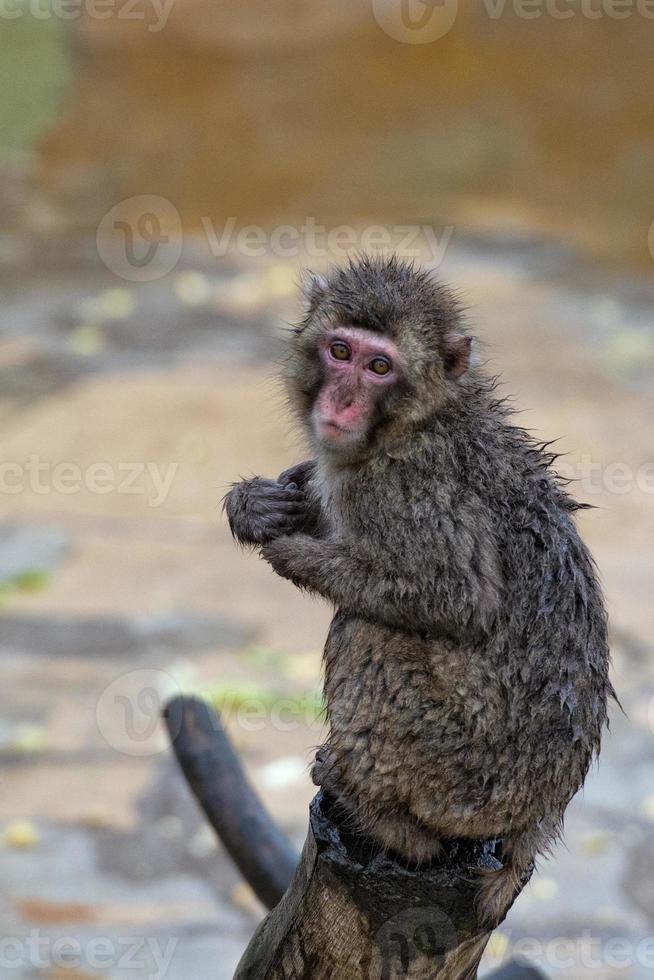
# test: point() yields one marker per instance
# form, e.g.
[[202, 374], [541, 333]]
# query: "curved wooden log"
[[350, 910], [213, 770]]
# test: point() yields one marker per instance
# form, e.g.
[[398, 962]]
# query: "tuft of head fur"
[[386, 295], [392, 297]]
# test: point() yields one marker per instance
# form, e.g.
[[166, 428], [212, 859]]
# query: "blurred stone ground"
[[125, 411]]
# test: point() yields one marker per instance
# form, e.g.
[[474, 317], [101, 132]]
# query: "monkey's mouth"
[[334, 434]]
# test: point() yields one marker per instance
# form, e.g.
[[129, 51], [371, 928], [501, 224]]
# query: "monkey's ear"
[[457, 350], [314, 287]]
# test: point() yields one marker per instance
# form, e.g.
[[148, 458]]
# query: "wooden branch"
[[261, 852], [350, 910], [516, 971]]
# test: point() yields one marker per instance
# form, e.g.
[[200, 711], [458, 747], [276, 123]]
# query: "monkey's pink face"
[[359, 368]]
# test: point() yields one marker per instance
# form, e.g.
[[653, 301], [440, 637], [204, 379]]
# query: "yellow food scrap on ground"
[[21, 834]]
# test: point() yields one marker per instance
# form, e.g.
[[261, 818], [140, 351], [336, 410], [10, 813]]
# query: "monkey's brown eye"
[[380, 365], [339, 351]]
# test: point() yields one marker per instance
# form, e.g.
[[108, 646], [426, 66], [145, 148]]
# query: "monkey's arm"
[[429, 596]]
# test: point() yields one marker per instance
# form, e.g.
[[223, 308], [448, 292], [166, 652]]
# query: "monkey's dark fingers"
[[516, 971], [292, 492], [281, 523], [273, 492], [272, 509], [291, 507], [298, 474], [290, 526], [260, 486], [325, 768]]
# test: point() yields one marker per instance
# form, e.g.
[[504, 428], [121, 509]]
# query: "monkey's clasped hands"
[[260, 510]]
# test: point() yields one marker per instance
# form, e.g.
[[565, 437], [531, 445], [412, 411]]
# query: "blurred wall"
[[276, 110]]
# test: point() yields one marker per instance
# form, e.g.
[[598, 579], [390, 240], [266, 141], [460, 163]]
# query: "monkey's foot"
[[325, 771]]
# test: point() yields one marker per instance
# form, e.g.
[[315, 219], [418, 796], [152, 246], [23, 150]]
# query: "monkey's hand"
[[300, 474], [315, 522], [261, 510]]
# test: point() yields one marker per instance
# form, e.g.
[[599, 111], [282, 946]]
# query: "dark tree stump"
[[351, 911]]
